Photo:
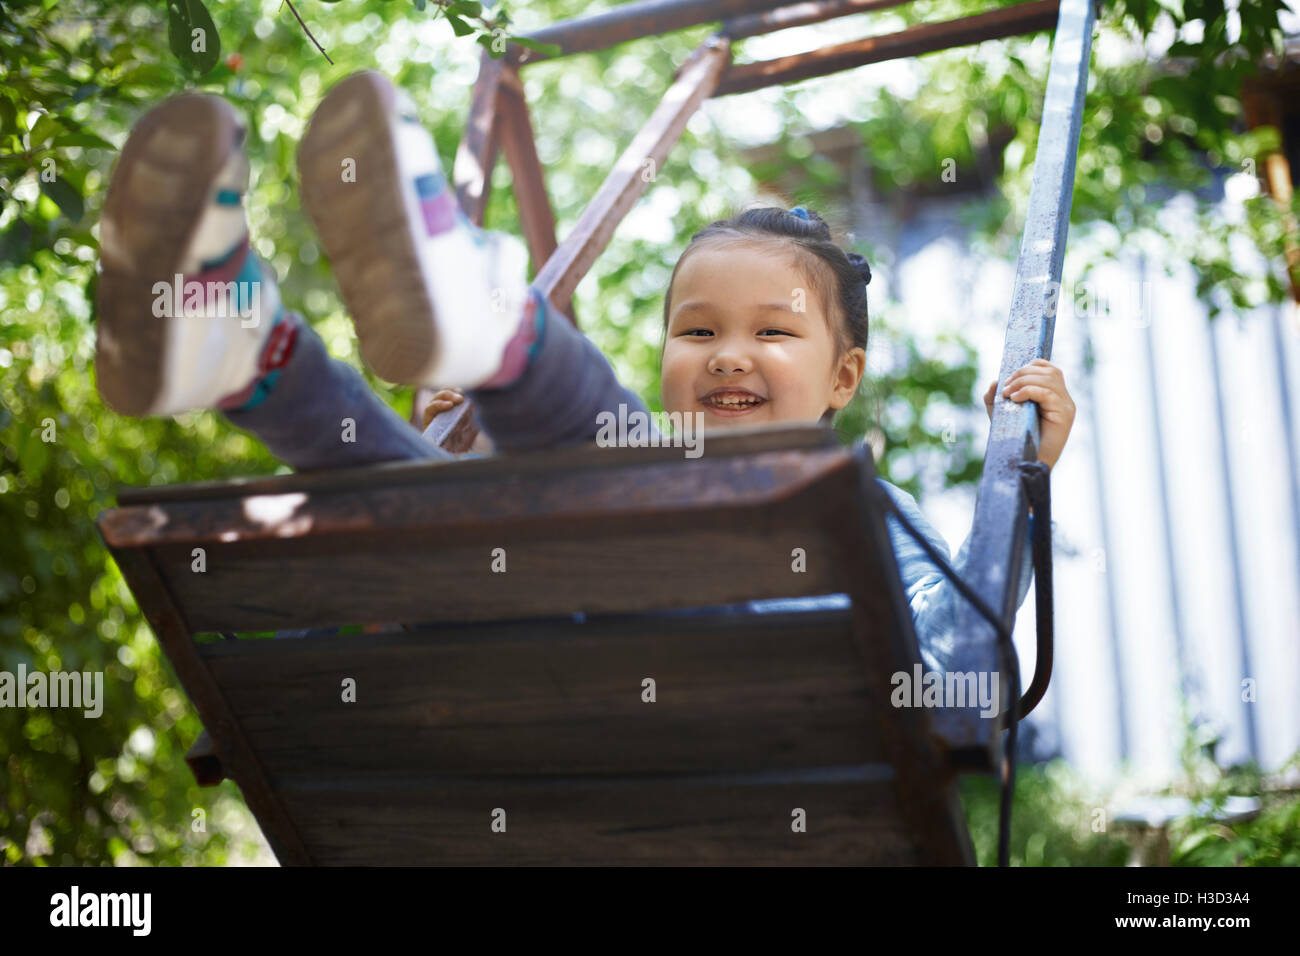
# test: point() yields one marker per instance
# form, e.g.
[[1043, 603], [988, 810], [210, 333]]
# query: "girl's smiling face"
[[737, 350]]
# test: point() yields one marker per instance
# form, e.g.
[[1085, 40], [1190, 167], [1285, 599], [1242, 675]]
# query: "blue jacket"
[[931, 596]]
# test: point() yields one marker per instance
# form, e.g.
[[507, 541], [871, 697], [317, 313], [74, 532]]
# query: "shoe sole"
[[365, 226], [158, 192]]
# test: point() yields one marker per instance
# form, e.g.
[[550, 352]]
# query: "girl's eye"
[[708, 332]]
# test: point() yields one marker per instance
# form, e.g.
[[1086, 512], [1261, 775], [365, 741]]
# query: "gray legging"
[[554, 402]]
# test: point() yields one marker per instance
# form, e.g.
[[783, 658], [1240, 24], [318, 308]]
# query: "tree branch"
[[308, 32]]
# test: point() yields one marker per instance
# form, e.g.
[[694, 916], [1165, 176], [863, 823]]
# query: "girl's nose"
[[728, 363]]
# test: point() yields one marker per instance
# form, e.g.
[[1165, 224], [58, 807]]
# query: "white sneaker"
[[435, 299], [184, 308]]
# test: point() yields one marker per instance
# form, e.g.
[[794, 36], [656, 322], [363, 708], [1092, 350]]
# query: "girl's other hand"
[[442, 400], [1041, 382]]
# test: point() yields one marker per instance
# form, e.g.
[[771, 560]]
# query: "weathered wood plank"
[[735, 442], [852, 818], [452, 497], [732, 693], [406, 577]]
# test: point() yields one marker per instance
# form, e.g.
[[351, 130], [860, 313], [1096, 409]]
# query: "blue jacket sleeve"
[[931, 596]]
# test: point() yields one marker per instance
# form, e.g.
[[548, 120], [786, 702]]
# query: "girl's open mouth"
[[732, 404]]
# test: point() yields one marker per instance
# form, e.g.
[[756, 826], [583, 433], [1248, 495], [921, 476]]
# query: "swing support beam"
[[499, 116], [1001, 509]]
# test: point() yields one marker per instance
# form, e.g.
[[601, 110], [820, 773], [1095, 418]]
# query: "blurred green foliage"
[[77, 73], [1051, 816], [1271, 838], [1057, 819]]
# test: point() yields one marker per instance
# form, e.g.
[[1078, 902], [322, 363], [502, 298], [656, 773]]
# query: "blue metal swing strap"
[[1035, 476]]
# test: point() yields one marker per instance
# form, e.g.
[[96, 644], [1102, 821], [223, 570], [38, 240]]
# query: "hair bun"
[[861, 265], [814, 226]]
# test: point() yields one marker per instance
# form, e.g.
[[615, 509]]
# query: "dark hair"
[[837, 277]]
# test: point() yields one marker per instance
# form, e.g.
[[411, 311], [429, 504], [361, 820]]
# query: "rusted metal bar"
[[628, 179], [926, 38], [477, 154], [632, 21], [799, 14], [536, 218], [1001, 510]]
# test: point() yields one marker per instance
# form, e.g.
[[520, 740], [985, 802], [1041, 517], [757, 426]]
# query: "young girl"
[[765, 318]]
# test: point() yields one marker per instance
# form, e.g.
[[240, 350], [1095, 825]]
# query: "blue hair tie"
[[801, 213]]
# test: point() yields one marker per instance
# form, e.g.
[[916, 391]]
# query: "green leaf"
[[148, 74], [458, 26], [87, 140], [46, 128], [66, 198], [188, 25], [178, 21]]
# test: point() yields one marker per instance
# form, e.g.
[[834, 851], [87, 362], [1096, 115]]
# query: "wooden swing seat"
[[501, 699]]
